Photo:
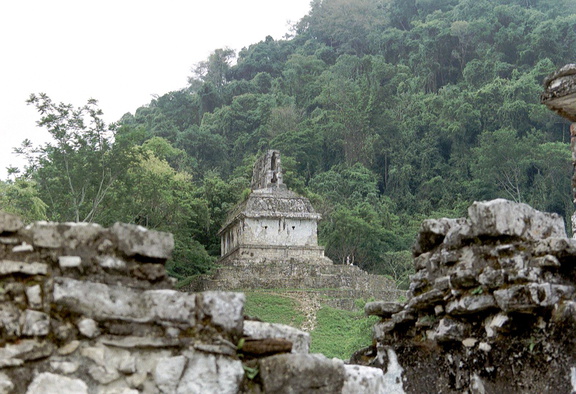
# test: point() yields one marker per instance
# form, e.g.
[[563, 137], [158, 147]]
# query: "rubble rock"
[[502, 217], [382, 308], [301, 373], [9, 223], [47, 382], [450, 330], [260, 330], [136, 240], [209, 373]]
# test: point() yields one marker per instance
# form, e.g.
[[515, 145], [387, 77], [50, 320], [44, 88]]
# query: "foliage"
[[386, 111], [76, 170]]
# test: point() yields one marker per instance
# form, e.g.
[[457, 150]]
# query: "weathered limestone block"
[[47, 382], [547, 294], [432, 233], [63, 235], [104, 302], [463, 278], [560, 247], [450, 330], [9, 223], [565, 312], [301, 373], [225, 309], [515, 298], [502, 217], [23, 248], [111, 262], [497, 324], [471, 304], [546, 261], [171, 305], [8, 267], [382, 308], [404, 316], [525, 298], [360, 379], [426, 300], [130, 342], [25, 350], [35, 323], [419, 281], [209, 373], [560, 92], [9, 319], [6, 385], [88, 328], [116, 302], [381, 328], [65, 367], [442, 283], [492, 278], [421, 261], [136, 240], [34, 296], [261, 330], [168, 372], [69, 261], [530, 274]]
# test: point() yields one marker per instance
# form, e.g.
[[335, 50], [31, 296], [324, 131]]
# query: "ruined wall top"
[[267, 171]]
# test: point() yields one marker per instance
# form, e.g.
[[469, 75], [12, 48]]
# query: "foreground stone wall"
[[491, 308], [87, 309]]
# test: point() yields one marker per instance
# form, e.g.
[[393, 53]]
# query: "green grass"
[[338, 333], [273, 309]]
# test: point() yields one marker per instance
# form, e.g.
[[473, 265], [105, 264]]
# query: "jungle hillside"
[[386, 112]]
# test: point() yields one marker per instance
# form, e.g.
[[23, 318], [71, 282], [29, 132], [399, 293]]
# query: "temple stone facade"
[[270, 241], [273, 223]]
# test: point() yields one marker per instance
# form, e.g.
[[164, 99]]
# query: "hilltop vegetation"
[[386, 112]]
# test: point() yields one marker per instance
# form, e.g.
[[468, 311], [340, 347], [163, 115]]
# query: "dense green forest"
[[386, 112]]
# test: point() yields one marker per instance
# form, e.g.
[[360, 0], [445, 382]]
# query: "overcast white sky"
[[120, 52]]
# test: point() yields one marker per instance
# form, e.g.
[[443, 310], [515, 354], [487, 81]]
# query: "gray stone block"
[[361, 379], [9, 223], [502, 217], [301, 373], [47, 382], [168, 372], [261, 330], [116, 302], [8, 267], [209, 373], [136, 240], [382, 308], [225, 309]]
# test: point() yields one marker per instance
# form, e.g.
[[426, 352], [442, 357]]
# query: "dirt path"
[[308, 303]]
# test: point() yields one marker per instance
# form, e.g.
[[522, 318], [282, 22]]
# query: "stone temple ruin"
[[269, 241], [273, 223]]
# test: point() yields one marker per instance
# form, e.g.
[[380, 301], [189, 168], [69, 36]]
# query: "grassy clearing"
[[273, 308], [338, 333]]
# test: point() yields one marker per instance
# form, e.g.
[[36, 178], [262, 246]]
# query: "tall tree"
[[75, 171]]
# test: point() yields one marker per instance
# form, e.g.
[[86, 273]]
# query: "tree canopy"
[[386, 111]]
